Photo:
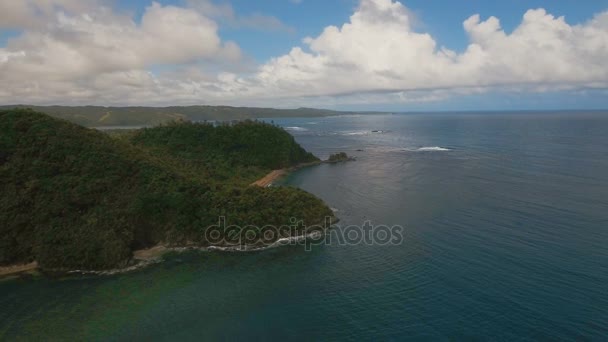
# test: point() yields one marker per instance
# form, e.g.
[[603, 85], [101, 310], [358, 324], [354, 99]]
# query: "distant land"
[[98, 116]]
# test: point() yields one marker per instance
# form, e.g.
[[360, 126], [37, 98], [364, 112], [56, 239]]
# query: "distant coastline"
[[131, 117]]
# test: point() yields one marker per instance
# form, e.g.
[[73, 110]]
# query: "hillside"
[[76, 198], [244, 151], [96, 116]]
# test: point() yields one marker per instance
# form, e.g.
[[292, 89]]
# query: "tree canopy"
[[77, 198]]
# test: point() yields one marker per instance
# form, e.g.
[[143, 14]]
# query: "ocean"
[[504, 220]]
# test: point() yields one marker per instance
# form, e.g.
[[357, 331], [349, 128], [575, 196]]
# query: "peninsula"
[[77, 198]]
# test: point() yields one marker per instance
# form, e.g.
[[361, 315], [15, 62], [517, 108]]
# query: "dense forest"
[[97, 116], [77, 198]]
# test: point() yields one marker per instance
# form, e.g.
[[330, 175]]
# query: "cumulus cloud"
[[81, 49], [100, 41], [17, 14], [378, 50], [93, 55]]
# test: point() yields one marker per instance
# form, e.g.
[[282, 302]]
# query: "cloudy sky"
[[343, 54]]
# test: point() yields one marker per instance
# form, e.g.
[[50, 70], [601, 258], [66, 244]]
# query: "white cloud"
[[224, 12], [73, 46], [378, 51], [18, 14], [94, 55]]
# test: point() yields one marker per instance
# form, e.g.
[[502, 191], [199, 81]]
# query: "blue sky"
[[383, 54], [443, 19]]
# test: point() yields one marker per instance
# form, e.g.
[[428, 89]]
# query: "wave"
[[433, 149], [354, 133], [389, 149], [296, 128], [134, 267], [320, 133], [140, 264], [366, 132]]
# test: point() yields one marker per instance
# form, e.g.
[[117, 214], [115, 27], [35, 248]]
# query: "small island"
[[339, 157]]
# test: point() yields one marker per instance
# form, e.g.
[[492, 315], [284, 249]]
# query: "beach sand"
[[150, 253], [16, 269], [270, 178]]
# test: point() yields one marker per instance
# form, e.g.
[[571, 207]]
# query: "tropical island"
[[74, 198]]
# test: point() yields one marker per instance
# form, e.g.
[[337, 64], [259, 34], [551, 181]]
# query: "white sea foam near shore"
[[158, 259]]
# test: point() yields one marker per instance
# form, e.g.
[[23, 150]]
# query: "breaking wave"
[[387, 149], [433, 149], [296, 129]]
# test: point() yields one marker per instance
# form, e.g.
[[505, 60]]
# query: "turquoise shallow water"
[[505, 222]]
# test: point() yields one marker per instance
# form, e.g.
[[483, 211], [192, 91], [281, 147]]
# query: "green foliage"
[[243, 151], [76, 198], [338, 157]]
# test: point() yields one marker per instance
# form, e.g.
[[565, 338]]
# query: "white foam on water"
[[296, 128], [433, 149], [237, 248], [388, 149], [355, 133]]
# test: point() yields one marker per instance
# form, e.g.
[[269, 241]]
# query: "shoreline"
[[152, 255], [14, 270], [270, 178], [146, 257], [275, 175]]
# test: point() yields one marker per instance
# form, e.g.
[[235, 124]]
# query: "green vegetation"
[[77, 198], [240, 152], [96, 116], [338, 157]]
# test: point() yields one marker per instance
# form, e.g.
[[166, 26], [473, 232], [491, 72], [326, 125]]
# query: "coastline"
[[153, 255], [146, 257], [150, 254], [13, 270], [270, 178], [275, 175]]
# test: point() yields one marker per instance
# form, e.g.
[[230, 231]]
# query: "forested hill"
[[240, 152], [77, 198], [95, 116]]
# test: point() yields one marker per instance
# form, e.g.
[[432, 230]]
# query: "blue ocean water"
[[505, 237]]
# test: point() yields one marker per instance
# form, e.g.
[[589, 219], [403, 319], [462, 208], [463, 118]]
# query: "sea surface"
[[505, 237]]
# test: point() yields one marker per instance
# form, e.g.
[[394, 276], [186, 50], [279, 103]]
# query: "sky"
[[416, 55]]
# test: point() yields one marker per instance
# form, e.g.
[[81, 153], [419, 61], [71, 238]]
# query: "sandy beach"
[[270, 178], [150, 253], [16, 269]]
